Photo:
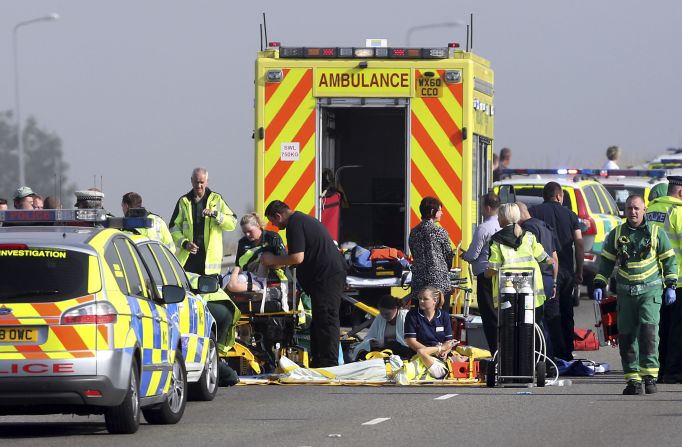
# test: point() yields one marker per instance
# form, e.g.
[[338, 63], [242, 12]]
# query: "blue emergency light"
[[74, 217], [655, 173]]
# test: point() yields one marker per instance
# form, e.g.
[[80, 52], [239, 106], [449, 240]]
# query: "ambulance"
[[389, 125]]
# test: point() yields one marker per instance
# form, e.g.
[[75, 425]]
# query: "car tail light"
[[13, 246], [585, 219], [93, 313]]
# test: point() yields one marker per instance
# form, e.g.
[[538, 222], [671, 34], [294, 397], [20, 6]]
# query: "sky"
[[143, 91]]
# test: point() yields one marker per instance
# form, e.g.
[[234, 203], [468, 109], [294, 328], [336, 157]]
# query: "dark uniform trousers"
[[325, 329], [484, 294], [670, 332], [565, 284]]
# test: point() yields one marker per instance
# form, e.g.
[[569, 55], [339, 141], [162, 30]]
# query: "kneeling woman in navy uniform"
[[428, 331]]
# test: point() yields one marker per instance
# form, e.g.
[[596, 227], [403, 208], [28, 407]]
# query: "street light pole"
[[20, 139]]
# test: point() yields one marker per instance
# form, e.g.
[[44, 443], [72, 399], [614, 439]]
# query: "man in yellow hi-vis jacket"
[[197, 226]]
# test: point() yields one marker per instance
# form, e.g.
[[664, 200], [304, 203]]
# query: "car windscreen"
[[39, 274], [620, 193], [532, 195]]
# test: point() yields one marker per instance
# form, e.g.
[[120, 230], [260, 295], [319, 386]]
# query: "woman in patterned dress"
[[431, 250]]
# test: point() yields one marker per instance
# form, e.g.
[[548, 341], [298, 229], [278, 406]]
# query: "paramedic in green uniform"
[[639, 251]]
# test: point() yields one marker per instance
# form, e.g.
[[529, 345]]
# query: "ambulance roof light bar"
[[362, 52]]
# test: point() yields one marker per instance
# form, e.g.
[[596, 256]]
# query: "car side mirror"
[[207, 284], [172, 294]]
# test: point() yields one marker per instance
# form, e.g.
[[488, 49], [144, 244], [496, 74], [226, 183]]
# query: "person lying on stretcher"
[[428, 331], [249, 274], [386, 332]]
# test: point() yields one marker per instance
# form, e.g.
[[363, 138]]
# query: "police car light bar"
[[98, 216], [589, 172], [52, 216]]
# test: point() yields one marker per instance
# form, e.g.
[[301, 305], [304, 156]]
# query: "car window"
[[179, 271], [610, 203], [131, 262], [37, 274], [114, 261], [531, 195], [164, 263], [152, 266], [591, 198]]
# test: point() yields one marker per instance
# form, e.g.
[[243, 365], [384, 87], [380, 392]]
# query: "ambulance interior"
[[365, 146]]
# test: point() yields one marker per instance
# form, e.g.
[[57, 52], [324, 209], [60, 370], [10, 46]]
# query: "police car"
[[91, 323], [588, 199], [622, 186]]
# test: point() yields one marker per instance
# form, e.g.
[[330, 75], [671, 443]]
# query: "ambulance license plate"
[[18, 334]]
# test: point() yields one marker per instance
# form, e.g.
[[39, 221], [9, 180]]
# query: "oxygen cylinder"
[[525, 326], [506, 326]]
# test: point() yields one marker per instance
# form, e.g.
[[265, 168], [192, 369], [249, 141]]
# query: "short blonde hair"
[[510, 213], [252, 219], [435, 294]]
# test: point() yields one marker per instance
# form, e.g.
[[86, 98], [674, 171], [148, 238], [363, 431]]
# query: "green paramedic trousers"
[[638, 317]]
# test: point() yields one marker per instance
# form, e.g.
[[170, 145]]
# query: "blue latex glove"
[[598, 293], [670, 296]]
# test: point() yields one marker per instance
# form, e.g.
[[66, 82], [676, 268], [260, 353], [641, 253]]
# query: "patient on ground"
[[386, 332]]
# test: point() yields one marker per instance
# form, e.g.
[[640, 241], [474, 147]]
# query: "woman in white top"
[[612, 154]]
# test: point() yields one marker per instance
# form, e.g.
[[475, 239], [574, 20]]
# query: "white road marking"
[[445, 396], [375, 421]]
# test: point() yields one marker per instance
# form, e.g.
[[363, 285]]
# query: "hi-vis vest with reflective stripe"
[[642, 266], [529, 254], [182, 230], [666, 212]]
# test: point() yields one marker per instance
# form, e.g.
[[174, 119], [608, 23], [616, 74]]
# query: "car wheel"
[[170, 412], [207, 386], [125, 418]]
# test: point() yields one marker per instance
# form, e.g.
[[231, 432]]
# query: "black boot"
[[634, 388], [650, 385]]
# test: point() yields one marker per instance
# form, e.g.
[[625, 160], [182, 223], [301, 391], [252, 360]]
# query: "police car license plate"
[[18, 334]]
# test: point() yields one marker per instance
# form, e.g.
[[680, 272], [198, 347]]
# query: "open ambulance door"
[[363, 143]]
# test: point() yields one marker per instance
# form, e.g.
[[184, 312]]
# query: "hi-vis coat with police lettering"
[[666, 213], [182, 230]]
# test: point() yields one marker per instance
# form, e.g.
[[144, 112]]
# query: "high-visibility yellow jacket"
[[529, 254], [158, 232], [643, 252], [666, 212], [182, 229]]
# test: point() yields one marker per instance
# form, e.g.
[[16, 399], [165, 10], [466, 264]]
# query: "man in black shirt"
[[321, 272], [565, 224]]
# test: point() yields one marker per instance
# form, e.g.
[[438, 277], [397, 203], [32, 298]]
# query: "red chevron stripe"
[[434, 153], [302, 89], [271, 87], [457, 92], [302, 185], [414, 219], [47, 309], [447, 221], [445, 120], [31, 352], [280, 169], [70, 338]]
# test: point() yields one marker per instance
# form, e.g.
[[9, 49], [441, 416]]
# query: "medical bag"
[[585, 340], [377, 262]]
